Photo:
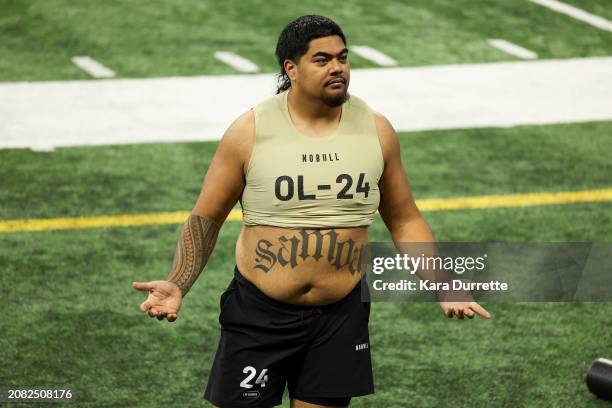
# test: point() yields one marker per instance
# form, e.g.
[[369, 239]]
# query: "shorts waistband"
[[290, 306], [257, 292]]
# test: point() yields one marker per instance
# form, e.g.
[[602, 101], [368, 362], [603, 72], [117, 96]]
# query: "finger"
[[146, 305], [459, 314], [480, 310], [172, 317], [159, 313], [142, 286], [449, 313], [467, 312], [153, 312]]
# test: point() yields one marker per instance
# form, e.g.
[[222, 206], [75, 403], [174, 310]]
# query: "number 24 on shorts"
[[252, 372]]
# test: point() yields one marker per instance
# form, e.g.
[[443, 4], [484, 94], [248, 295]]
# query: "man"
[[310, 167]]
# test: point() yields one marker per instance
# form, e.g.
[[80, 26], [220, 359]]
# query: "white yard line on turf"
[[373, 55], [512, 49], [41, 147], [125, 111], [575, 12], [93, 67], [236, 61]]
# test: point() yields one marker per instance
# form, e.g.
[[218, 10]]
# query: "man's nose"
[[335, 66]]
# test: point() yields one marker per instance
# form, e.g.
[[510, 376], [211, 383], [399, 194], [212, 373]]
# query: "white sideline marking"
[[512, 49], [374, 55], [578, 14], [93, 67], [236, 61], [122, 111], [42, 147]]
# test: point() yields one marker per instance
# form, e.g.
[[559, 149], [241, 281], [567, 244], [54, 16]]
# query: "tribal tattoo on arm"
[[197, 240]]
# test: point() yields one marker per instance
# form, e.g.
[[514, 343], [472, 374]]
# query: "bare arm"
[[404, 220], [194, 246], [397, 207], [222, 187]]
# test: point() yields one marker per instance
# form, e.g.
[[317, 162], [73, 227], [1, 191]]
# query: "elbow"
[[401, 227]]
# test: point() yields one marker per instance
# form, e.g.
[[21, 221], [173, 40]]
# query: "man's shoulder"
[[270, 104], [244, 122], [383, 125], [240, 134], [387, 136]]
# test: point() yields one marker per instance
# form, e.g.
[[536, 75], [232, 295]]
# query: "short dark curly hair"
[[294, 39]]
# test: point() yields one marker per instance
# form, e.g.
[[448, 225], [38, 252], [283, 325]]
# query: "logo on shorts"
[[361, 346], [250, 394]]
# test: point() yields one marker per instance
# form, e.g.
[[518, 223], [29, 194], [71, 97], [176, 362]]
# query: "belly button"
[[307, 288]]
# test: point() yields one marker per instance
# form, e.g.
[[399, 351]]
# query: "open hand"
[[463, 309], [164, 299]]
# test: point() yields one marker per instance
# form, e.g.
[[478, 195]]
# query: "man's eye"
[[320, 61]]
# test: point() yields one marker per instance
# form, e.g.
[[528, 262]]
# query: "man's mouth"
[[336, 82]]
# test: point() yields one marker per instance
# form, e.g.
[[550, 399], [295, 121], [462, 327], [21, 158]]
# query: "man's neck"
[[311, 109]]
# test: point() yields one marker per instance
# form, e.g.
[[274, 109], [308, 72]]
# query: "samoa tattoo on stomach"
[[291, 250]]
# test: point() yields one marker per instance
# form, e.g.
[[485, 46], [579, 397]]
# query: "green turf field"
[[71, 316], [162, 38]]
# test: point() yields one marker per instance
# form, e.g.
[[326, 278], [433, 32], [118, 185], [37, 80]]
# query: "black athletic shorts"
[[321, 352]]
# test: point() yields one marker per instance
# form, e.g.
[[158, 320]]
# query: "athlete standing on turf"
[[310, 167]]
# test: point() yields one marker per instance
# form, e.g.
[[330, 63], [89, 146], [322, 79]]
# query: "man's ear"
[[291, 69]]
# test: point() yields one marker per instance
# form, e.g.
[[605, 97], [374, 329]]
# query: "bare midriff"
[[301, 266]]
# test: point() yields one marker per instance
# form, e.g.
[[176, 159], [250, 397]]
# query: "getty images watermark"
[[530, 272], [434, 264]]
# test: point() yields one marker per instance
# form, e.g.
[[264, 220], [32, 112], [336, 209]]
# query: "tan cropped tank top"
[[299, 181]]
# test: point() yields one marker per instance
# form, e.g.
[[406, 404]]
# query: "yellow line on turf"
[[515, 200], [435, 204]]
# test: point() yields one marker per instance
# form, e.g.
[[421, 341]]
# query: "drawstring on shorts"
[[313, 310]]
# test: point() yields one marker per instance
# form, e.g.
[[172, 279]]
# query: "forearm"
[[415, 229], [414, 237], [194, 246]]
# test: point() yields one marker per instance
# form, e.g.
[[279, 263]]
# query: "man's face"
[[324, 70]]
